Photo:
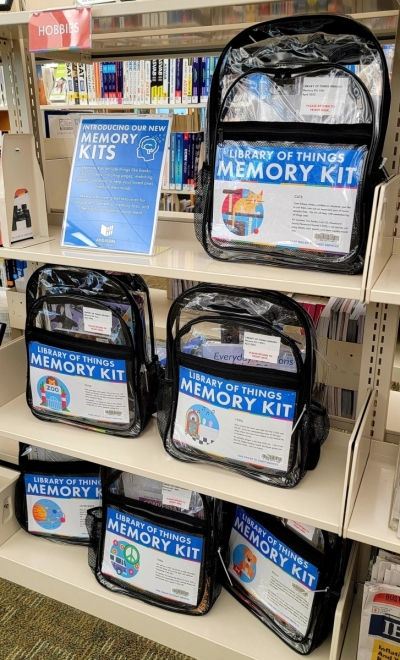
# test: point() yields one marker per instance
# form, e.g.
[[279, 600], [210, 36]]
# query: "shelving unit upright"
[[335, 495]]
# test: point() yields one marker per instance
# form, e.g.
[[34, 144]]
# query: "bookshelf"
[[335, 495]]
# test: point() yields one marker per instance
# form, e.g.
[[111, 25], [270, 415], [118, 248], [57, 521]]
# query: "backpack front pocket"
[[158, 557], [52, 499], [92, 387]]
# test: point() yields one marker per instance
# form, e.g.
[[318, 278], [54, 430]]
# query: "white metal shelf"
[[228, 632], [370, 517], [318, 500], [186, 259], [121, 106]]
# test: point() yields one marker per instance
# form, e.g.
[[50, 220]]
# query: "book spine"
[[208, 78], [185, 80], [125, 94], [142, 80], [120, 82], [113, 83], [172, 75], [147, 84], [135, 99], [165, 96], [203, 97], [178, 80], [185, 167], [178, 160], [195, 79], [172, 146], [190, 80], [82, 85], [165, 180], [199, 138], [90, 83], [154, 89], [102, 80], [131, 82], [160, 71], [97, 84], [192, 153], [70, 85]]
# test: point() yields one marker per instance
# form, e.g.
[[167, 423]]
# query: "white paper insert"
[[261, 347], [323, 95], [175, 496], [98, 321]]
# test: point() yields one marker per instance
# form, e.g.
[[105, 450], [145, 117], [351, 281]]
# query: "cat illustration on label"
[[242, 211]]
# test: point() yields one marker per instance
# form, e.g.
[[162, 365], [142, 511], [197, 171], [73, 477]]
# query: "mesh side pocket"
[[202, 187], [314, 432], [93, 526], [164, 407]]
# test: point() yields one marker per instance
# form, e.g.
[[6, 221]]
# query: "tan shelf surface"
[[317, 500], [186, 259], [387, 287], [370, 517], [228, 632], [350, 646]]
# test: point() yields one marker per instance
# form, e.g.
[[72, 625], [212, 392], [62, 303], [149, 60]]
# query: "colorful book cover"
[[203, 75], [178, 161], [120, 81], [160, 71], [172, 149], [154, 84], [195, 79], [147, 83], [82, 84], [172, 83], [208, 77], [165, 94], [59, 92], [72, 78], [178, 80], [185, 80], [190, 80], [185, 169]]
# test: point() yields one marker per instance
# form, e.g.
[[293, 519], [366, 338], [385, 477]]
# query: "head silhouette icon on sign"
[[147, 149]]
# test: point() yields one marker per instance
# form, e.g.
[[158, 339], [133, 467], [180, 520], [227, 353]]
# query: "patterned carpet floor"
[[33, 627]]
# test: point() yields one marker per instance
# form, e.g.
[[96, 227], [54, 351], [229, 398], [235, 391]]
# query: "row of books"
[[174, 81], [174, 203], [176, 287], [182, 161], [12, 272], [340, 319]]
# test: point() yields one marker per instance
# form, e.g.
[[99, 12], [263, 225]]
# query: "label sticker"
[[174, 496], [152, 558], [272, 572], [58, 505], [78, 384], [301, 528], [323, 95], [261, 347], [98, 321], [226, 418]]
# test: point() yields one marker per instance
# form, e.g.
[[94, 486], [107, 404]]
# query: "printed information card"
[[152, 558], [115, 183], [288, 197], [58, 505], [271, 572], [226, 418]]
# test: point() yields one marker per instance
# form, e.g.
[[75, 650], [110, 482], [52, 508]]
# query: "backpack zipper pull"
[[382, 167], [220, 136], [298, 421], [224, 567]]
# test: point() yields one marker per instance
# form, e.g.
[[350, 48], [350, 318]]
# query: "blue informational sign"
[[114, 188]]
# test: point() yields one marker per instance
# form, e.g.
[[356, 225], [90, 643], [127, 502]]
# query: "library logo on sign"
[[107, 231]]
